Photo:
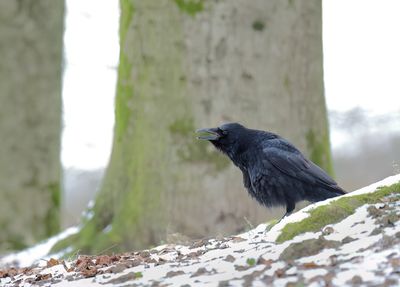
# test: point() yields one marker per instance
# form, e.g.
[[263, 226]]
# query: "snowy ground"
[[36, 253], [363, 249]]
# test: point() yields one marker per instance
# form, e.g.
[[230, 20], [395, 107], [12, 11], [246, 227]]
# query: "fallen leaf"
[[199, 243], [192, 255], [70, 269], [395, 262], [279, 272], [117, 268], [40, 277], [311, 265], [199, 272], [328, 230], [103, 260], [125, 278], [230, 258], [237, 239], [89, 272], [356, 280], [174, 273], [52, 262], [144, 254], [263, 261], [83, 263], [241, 268], [11, 272]]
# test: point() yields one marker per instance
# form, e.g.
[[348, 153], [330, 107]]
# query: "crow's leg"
[[286, 214], [290, 205]]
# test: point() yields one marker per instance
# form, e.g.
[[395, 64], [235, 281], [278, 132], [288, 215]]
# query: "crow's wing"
[[287, 159]]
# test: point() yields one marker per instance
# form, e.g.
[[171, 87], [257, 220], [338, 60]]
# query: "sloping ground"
[[351, 240]]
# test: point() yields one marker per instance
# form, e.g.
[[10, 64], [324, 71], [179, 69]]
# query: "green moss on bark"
[[52, 219], [334, 212], [200, 152], [258, 25], [182, 126], [124, 85], [64, 244], [191, 7], [16, 242], [124, 96], [195, 151], [126, 17], [90, 239]]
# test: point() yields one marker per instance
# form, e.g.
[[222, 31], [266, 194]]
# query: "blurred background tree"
[[31, 34], [190, 64]]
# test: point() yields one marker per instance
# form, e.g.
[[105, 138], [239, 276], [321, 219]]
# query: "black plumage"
[[274, 171]]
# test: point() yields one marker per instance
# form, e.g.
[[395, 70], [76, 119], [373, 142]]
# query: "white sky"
[[361, 61], [362, 54], [91, 52]]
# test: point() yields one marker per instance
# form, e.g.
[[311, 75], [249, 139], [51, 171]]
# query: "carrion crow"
[[274, 171]]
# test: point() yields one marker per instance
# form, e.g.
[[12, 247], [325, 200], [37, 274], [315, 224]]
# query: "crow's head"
[[228, 137]]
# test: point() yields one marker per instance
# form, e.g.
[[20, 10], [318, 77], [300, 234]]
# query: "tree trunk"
[[186, 65], [31, 34]]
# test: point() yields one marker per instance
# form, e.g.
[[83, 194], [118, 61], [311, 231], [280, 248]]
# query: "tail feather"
[[322, 193]]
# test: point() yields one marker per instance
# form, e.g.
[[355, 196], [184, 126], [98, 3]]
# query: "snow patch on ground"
[[38, 252]]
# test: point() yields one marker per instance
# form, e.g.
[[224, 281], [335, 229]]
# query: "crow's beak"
[[210, 134]]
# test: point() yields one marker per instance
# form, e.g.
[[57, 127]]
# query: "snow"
[[253, 258], [38, 252], [314, 272]]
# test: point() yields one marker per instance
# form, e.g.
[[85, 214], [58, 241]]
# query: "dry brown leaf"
[[66, 268], [103, 260], [52, 262], [174, 273], [311, 265], [279, 273], [229, 258], [395, 262], [83, 263], [89, 272], [237, 239], [263, 261], [40, 277]]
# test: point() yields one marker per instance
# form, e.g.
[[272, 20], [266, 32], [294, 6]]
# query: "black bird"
[[274, 171]]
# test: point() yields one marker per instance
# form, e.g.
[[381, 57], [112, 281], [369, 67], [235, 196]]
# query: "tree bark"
[[31, 34], [186, 65]]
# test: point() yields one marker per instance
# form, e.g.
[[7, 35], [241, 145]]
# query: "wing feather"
[[290, 161]]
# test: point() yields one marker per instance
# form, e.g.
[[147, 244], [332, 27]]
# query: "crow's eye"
[[221, 131]]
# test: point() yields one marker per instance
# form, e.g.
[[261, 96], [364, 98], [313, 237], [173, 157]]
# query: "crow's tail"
[[322, 193]]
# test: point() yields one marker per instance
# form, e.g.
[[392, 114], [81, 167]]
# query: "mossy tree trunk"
[[186, 65], [31, 34]]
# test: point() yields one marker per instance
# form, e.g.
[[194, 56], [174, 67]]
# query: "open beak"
[[210, 134]]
